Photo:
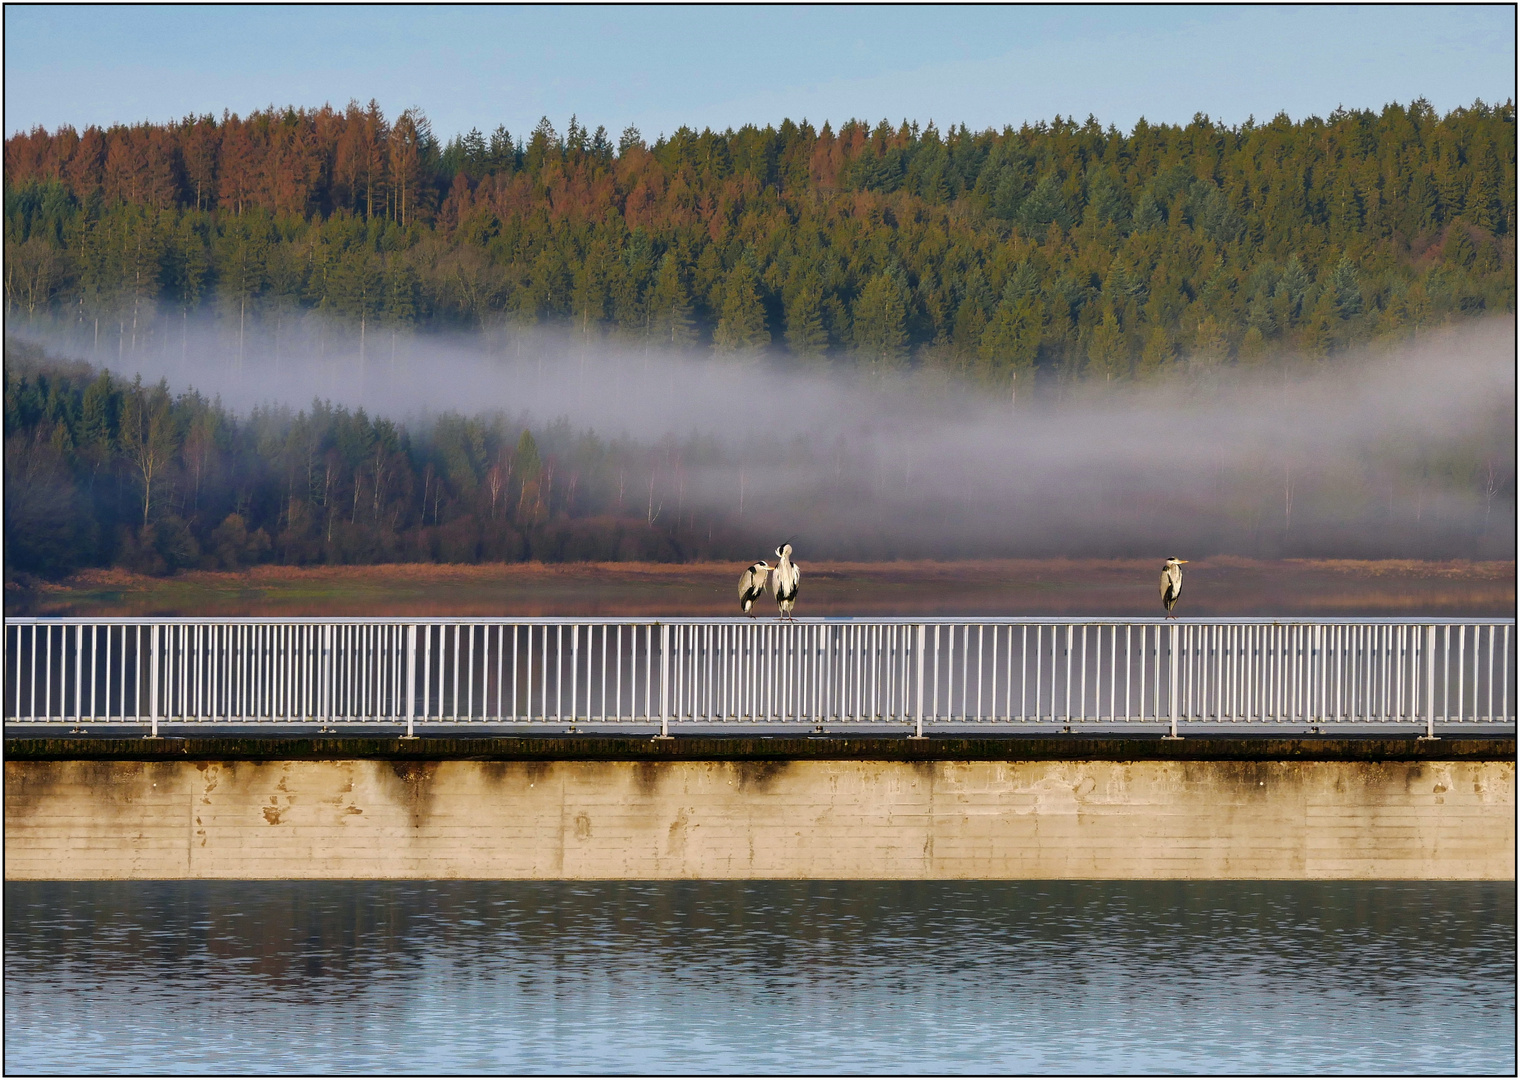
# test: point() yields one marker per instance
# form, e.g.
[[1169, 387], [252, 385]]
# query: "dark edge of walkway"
[[750, 748]]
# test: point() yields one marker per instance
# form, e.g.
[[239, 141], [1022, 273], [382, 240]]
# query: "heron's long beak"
[[1182, 560]]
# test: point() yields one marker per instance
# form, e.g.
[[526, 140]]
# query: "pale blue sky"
[[662, 67]]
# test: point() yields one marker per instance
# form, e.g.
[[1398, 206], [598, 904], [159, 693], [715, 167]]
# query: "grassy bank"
[[1221, 586]]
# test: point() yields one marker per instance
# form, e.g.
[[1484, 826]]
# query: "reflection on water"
[[759, 977]]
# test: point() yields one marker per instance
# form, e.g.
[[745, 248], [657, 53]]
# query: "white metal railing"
[[919, 672]]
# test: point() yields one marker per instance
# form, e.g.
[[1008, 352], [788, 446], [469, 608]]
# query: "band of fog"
[[1394, 451]]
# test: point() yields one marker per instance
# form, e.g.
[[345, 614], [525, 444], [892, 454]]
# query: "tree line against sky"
[[1061, 249]]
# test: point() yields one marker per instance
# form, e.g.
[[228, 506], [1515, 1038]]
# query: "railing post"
[[78, 672], [664, 681], [918, 725], [329, 654], [1171, 689], [411, 681], [1430, 685], [153, 684]]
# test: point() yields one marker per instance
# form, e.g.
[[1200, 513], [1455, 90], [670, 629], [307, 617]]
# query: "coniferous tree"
[[1106, 356], [1345, 290], [806, 335], [880, 322], [1011, 339], [741, 322], [670, 307]]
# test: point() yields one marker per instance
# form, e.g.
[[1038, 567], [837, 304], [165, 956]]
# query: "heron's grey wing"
[[744, 582], [1165, 581]]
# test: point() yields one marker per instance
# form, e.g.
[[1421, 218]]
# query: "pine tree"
[[1345, 290], [879, 320], [1046, 205], [474, 155], [1319, 329], [1458, 249], [741, 324], [1158, 353], [1106, 354], [589, 298], [501, 158], [1253, 345], [1290, 292], [670, 307], [356, 291], [805, 332], [1011, 340], [971, 315], [1209, 343], [1147, 213], [1259, 315], [242, 265]]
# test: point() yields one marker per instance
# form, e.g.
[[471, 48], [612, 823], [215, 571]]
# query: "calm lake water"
[[773, 977]]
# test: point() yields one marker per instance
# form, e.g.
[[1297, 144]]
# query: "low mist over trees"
[[1399, 453], [100, 471], [1058, 249]]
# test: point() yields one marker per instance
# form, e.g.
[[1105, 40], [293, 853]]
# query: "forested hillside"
[[1020, 258], [101, 471], [1060, 249]]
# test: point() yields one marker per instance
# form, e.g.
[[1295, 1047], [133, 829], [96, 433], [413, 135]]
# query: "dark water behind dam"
[[773, 977]]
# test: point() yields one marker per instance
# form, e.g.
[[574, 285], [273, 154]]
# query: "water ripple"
[[774, 977]]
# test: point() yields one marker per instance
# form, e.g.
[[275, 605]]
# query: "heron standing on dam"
[[1171, 583], [752, 585], [784, 580]]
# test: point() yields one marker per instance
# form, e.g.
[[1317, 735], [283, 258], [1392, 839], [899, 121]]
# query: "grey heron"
[[752, 585], [1171, 583], [784, 580]]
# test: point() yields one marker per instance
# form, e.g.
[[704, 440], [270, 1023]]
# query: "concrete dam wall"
[[1038, 809]]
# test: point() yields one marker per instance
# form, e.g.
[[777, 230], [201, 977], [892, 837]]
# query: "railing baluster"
[[1477, 649], [1504, 677], [1490, 712], [1461, 672], [47, 685], [1430, 682]]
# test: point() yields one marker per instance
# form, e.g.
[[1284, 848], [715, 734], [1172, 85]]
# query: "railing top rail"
[[654, 620]]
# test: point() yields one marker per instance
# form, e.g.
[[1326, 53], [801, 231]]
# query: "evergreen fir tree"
[[741, 323], [805, 333], [879, 321]]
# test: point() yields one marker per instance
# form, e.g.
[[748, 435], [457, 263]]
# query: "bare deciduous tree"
[[147, 436]]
